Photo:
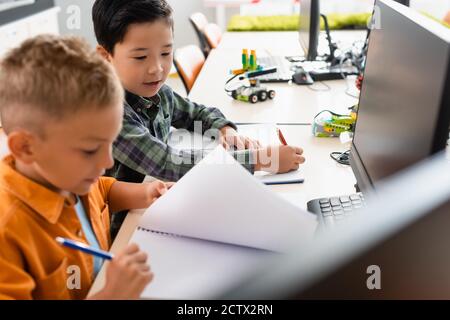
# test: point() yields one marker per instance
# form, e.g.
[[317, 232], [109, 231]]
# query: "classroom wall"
[[184, 33], [75, 18]]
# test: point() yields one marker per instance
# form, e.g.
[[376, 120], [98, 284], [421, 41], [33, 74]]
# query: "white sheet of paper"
[[187, 268], [265, 133], [219, 200]]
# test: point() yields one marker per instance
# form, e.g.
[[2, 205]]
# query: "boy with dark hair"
[[136, 37]]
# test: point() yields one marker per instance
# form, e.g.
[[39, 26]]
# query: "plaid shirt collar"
[[139, 103]]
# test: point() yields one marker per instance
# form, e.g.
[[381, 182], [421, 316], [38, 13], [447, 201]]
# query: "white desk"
[[293, 103], [323, 177]]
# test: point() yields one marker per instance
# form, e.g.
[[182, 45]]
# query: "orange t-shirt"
[[32, 264]]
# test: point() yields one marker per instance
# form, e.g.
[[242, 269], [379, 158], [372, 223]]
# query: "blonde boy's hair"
[[54, 77]]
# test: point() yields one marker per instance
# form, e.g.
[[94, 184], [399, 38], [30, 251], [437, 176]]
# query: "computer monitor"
[[309, 28], [404, 112], [404, 2], [396, 249]]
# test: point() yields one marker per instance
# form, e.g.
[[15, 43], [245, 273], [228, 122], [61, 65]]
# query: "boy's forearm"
[[128, 196]]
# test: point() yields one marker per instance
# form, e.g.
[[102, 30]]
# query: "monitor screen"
[[10, 4], [403, 231], [309, 27], [404, 2], [402, 116]]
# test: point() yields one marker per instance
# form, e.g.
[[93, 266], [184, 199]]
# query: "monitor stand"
[[333, 69]]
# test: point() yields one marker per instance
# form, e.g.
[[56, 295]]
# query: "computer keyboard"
[[333, 73], [333, 210], [283, 74]]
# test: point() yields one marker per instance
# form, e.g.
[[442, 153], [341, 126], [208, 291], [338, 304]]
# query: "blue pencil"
[[85, 248]]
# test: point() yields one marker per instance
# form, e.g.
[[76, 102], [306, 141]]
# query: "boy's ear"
[[103, 52], [21, 144]]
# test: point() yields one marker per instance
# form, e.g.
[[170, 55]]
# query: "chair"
[[213, 35], [189, 61], [447, 18], [198, 21]]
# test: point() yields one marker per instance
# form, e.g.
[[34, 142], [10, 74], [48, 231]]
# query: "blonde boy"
[[61, 108]]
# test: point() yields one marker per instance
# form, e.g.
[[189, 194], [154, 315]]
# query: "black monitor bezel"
[[441, 135], [314, 29]]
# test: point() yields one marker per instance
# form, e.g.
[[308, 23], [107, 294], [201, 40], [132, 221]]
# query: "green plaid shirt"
[[141, 148]]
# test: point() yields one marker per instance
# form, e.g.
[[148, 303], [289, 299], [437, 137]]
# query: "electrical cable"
[[327, 87], [341, 157]]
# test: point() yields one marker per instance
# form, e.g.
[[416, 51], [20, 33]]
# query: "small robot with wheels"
[[253, 93]]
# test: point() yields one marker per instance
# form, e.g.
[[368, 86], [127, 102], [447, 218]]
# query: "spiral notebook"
[[212, 226]]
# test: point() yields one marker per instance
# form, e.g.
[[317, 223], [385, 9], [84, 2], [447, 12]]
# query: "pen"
[[272, 183], [85, 248], [281, 137]]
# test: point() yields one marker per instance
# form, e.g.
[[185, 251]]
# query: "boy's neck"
[[137, 95]]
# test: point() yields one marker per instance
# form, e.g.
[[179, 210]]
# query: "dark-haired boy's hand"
[[229, 137]]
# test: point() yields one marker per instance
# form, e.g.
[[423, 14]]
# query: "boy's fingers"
[[142, 280], [139, 257], [144, 268], [299, 159], [225, 145], [131, 248], [157, 189], [170, 184], [239, 143], [162, 188], [148, 276], [298, 150], [258, 144], [251, 144]]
